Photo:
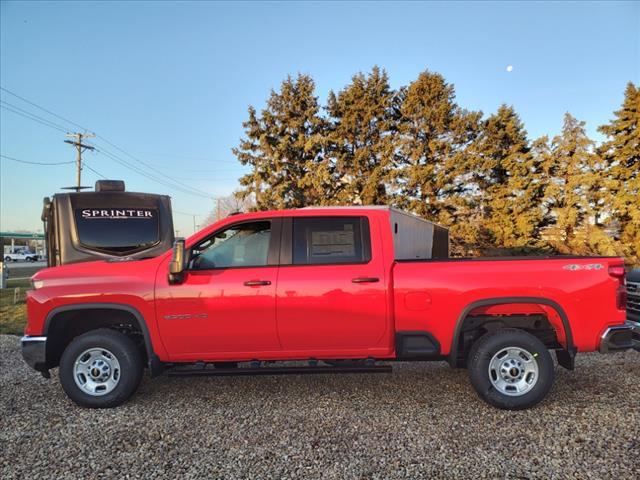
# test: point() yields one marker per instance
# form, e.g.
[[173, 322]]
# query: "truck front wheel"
[[511, 369], [101, 369]]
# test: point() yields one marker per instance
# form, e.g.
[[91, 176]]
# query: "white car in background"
[[21, 255]]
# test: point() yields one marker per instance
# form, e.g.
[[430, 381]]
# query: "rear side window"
[[330, 240]]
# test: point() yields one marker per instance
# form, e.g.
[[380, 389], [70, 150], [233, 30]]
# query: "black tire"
[[492, 344], [128, 357], [7, 259]]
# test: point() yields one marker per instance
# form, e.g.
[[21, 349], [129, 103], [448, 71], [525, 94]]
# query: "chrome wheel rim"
[[513, 371], [96, 371]]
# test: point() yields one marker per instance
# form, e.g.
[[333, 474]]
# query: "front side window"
[[243, 245], [327, 240]]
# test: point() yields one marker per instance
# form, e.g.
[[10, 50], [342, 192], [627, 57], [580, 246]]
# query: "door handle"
[[256, 283], [365, 280]]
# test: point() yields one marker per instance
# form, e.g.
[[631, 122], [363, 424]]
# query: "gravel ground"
[[424, 421]]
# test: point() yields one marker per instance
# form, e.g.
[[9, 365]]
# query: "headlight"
[[36, 284]]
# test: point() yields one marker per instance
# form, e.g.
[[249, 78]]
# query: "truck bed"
[[575, 293]]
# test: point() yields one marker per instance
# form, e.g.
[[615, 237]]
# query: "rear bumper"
[[34, 352], [621, 337]]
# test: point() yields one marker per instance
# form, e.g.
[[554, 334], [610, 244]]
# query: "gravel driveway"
[[424, 421]]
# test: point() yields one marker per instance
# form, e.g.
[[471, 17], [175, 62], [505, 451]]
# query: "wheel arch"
[[486, 302], [64, 312]]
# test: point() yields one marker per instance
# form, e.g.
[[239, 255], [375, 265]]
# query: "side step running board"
[[227, 372]]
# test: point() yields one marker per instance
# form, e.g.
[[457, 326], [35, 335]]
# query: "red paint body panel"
[[586, 296], [319, 307], [316, 311], [122, 283], [224, 315]]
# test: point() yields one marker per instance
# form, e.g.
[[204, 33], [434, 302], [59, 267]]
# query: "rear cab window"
[[331, 240]]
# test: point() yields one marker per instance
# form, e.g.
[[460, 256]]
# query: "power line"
[[145, 174], [160, 180], [152, 167], [42, 108], [34, 163], [93, 170], [222, 179], [33, 117], [43, 121], [187, 157], [189, 170], [170, 183]]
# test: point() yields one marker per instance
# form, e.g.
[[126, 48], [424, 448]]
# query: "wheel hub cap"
[[96, 371], [513, 371]]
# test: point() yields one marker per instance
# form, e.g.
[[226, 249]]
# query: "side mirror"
[[177, 263]]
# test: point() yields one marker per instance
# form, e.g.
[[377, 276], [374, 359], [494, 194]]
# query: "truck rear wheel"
[[101, 369], [511, 369]]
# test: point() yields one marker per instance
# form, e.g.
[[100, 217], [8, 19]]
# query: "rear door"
[[331, 295]]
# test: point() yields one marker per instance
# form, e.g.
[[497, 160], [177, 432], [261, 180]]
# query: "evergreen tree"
[[433, 135], [361, 139], [283, 146], [509, 181], [417, 149], [569, 171], [622, 155]]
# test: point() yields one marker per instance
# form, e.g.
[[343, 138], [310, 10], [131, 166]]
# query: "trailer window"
[[327, 240], [117, 230]]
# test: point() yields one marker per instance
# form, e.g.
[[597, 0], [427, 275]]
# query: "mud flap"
[[567, 358]]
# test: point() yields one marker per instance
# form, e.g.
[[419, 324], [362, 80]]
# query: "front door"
[[226, 305], [331, 299]]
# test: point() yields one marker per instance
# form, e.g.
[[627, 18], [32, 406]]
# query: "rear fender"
[[504, 305]]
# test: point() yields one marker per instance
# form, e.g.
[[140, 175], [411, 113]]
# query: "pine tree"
[[430, 175], [566, 194], [433, 135], [283, 146], [361, 139], [509, 181], [622, 155]]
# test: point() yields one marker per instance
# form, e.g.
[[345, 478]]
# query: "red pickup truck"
[[336, 288]]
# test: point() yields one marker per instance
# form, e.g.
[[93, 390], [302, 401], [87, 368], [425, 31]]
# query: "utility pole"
[[218, 212], [80, 147]]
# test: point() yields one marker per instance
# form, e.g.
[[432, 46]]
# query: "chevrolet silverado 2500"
[[338, 288]]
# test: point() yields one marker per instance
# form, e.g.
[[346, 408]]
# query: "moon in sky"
[[509, 68]]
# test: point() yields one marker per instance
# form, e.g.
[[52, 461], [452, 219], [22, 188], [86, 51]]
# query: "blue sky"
[[170, 83]]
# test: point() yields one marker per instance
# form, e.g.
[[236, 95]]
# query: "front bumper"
[[621, 337], [34, 352]]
